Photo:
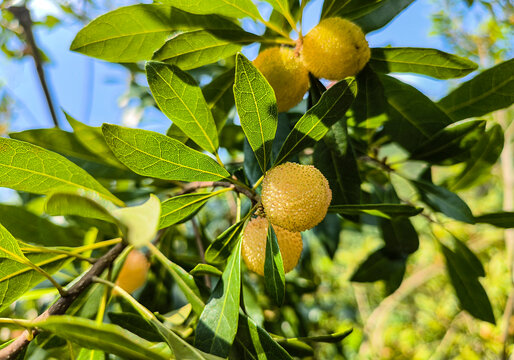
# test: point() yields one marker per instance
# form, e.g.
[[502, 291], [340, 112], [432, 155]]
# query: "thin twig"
[[23, 16], [193, 186], [63, 303]]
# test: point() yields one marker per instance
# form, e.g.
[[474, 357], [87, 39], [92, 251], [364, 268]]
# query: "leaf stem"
[[280, 40], [256, 185], [18, 322]]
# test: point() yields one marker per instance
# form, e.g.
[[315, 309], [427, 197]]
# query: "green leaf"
[[257, 108], [335, 158], [141, 222], [483, 156], [349, 9], [140, 30], [504, 219], [282, 6], [379, 266], [413, 117], [274, 277], [192, 49], [60, 204], [27, 226], [151, 154], [330, 338], [135, 324], [257, 342], [431, 62], [93, 139], [106, 337], [400, 237], [218, 323], [317, 120], [9, 248], [205, 269], [445, 201], [185, 282], [181, 207], [452, 144], [370, 104], [221, 248], [230, 8], [27, 167], [488, 91], [17, 278], [181, 100], [219, 95], [471, 294], [86, 354], [383, 210], [381, 15]]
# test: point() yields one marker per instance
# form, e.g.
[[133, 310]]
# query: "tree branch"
[[193, 186], [23, 16], [63, 303]]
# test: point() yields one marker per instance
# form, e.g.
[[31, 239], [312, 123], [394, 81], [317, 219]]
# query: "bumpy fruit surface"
[[295, 197], [133, 272], [334, 49], [285, 73], [254, 245]]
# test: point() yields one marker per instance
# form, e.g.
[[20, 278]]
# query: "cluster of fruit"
[[294, 198], [336, 48]]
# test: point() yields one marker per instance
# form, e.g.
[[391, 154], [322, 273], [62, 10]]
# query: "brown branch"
[[63, 303], [23, 16], [193, 186]]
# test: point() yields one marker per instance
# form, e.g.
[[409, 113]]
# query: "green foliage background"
[[413, 260]]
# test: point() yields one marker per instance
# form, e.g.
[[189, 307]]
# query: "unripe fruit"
[[254, 245], [334, 49], [133, 272], [295, 197], [285, 73]]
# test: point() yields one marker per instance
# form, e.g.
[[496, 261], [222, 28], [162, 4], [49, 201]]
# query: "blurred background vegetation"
[[419, 320]]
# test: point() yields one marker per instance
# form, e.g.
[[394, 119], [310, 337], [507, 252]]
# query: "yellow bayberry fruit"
[[295, 197], [254, 245], [334, 49], [285, 73], [133, 272]]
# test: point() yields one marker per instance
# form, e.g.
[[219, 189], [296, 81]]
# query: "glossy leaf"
[[350, 9], [381, 15], [452, 144], [504, 219], [135, 324], [317, 120], [231, 8], [282, 6], [413, 117], [221, 248], [383, 210], [151, 154], [17, 278], [335, 158], [257, 342], [205, 269], [87, 354], [181, 100], [445, 201], [181, 207], [141, 222], [488, 91], [192, 49], [27, 226], [60, 204], [274, 277], [400, 237], [107, 337], [370, 105], [33, 169], [471, 294], [431, 62], [218, 323], [257, 108], [330, 338], [140, 30], [483, 156]]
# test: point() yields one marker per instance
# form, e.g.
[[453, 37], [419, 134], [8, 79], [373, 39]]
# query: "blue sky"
[[90, 89]]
